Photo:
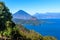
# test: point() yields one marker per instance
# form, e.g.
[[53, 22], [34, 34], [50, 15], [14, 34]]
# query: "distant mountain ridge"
[[47, 16], [23, 15]]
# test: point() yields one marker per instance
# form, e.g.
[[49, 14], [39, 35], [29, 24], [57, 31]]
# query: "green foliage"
[[6, 23], [7, 32], [49, 38]]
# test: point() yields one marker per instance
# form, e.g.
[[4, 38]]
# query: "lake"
[[48, 27]]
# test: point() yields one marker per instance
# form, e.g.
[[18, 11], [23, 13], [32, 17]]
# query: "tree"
[[6, 23]]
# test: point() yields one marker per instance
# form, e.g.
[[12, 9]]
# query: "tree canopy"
[[6, 23]]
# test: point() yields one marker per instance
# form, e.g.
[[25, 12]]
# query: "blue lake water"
[[48, 27]]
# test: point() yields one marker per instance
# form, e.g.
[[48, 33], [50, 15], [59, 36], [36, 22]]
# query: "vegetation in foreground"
[[10, 31]]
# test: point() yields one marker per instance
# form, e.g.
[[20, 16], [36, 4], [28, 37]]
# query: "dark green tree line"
[[6, 23]]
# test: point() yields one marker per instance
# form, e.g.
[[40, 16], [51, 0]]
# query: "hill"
[[22, 17], [47, 16]]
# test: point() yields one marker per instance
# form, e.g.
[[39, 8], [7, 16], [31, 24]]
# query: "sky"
[[33, 6]]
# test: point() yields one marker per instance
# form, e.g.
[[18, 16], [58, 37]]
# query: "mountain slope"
[[22, 15], [47, 16], [26, 34]]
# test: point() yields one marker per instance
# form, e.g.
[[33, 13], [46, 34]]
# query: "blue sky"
[[33, 6]]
